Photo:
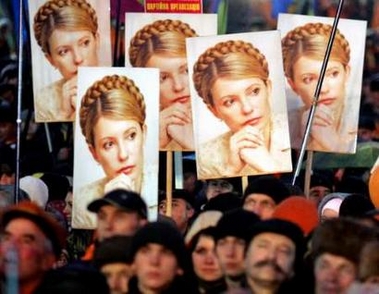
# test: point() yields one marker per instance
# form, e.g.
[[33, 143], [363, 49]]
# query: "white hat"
[[36, 189]]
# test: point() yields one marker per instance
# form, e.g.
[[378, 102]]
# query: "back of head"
[[356, 205], [223, 202], [115, 249], [75, 278], [36, 189]]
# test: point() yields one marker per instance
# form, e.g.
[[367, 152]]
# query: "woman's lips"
[[252, 122], [182, 99], [326, 101], [126, 170]]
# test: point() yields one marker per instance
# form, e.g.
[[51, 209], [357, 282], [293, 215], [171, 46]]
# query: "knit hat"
[[223, 202], [335, 205], [115, 249], [342, 237], [36, 190], [234, 223], [321, 179], [204, 220], [356, 205], [299, 210], [163, 234], [47, 224], [268, 185], [123, 199]]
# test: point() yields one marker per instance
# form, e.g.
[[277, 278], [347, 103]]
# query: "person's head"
[[321, 185], [182, 207], [262, 195], [37, 237], [159, 256], [303, 53], [329, 206], [112, 257], [368, 269], [335, 248], [232, 78], [112, 120], [273, 254], [215, 187], [8, 129], [119, 212], [36, 189], [162, 44], [67, 32], [205, 262], [231, 239]]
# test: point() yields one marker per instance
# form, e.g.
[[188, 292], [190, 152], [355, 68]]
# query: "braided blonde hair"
[[233, 59], [311, 40], [161, 37], [115, 97], [71, 15]]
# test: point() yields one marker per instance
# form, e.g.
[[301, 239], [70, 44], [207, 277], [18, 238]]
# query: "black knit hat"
[[179, 194], [223, 202], [268, 185], [235, 223], [123, 199], [115, 249], [164, 234]]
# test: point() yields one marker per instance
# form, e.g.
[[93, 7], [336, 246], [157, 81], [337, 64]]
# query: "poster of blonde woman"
[[239, 105], [304, 43], [65, 34], [158, 41], [116, 137]]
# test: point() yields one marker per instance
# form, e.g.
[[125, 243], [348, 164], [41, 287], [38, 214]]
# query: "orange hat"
[[300, 211], [47, 224], [373, 185]]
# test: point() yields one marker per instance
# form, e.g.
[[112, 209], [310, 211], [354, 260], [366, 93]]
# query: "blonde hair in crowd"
[[166, 37], [71, 15], [116, 97], [311, 40], [232, 59]]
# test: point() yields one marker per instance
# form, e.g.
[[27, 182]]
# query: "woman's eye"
[[163, 77], [86, 42], [107, 145], [307, 80], [228, 102], [132, 136], [62, 52]]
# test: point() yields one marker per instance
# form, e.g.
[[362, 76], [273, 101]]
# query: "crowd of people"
[[220, 237]]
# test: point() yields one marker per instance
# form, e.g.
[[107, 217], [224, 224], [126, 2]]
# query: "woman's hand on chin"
[[259, 158], [121, 181], [69, 91]]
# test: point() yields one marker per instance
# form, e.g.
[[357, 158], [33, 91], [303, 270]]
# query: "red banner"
[[169, 6]]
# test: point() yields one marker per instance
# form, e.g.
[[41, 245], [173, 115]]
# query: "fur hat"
[[223, 202], [300, 211], [164, 234], [342, 237], [268, 185], [234, 223]]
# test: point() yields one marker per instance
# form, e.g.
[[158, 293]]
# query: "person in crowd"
[[274, 255], [160, 261], [182, 208], [37, 240], [336, 260], [303, 49], [36, 189], [200, 242], [215, 187], [119, 212], [223, 202], [112, 120], [321, 184], [112, 258], [263, 194], [329, 206], [231, 240], [162, 45], [232, 78], [67, 32]]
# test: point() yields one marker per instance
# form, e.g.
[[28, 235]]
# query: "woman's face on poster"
[[118, 147], [174, 83], [71, 49], [241, 102], [306, 72]]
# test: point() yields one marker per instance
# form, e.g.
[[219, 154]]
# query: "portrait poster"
[[335, 123], [168, 32], [235, 136], [174, 6], [82, 39], [124, 155]]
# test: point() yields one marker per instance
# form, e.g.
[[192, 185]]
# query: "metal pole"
[[317, 91]]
